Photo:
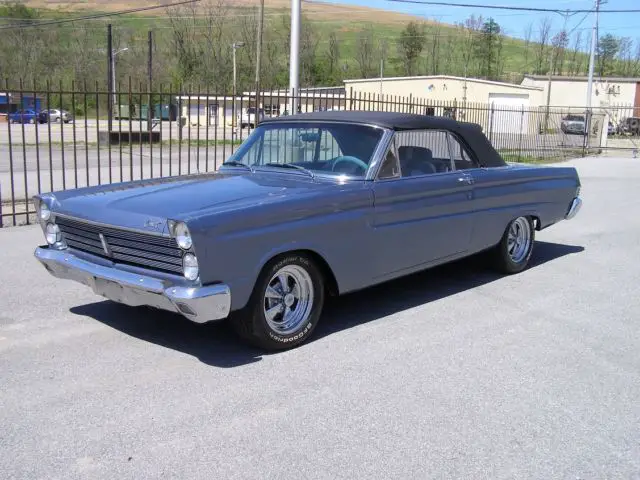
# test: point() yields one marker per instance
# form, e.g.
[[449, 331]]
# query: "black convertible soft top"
[[470, 133]]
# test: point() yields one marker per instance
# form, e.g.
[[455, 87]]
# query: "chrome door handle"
[[467, 180]]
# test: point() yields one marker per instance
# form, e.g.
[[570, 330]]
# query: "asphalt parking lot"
[[453, 373]]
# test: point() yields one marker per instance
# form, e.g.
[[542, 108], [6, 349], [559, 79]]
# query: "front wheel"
[[513, 252], [285, 305]]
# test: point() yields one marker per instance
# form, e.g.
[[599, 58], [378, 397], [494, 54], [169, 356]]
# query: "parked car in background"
[[629, 126], [248, 117], [573, 124], [23, 116], [54, 115], [309, 205]]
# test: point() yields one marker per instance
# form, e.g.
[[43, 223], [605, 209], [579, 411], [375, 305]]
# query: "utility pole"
[[258, 59], [592, 55], [110, 86], [294, 55]]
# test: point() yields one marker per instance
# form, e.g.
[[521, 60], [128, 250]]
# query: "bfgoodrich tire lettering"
[[285, 305], [514, 251]]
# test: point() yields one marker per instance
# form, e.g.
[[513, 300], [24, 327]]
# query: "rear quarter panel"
[[504, 193], [234, 246]]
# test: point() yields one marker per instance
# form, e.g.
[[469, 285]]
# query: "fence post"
[[491, 122], [411, 103], [521, 125]]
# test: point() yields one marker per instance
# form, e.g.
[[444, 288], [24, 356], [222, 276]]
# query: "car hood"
[[148, 204]]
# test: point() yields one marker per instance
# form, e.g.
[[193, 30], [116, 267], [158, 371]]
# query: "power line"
[[96, 15], [503, 7]]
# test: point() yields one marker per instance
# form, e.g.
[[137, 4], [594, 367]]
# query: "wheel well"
[[328, 276]]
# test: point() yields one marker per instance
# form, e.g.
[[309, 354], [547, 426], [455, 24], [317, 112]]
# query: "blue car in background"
[[23, 116]]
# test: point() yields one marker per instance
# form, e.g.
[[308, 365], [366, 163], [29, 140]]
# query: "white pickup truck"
[[248, 117]]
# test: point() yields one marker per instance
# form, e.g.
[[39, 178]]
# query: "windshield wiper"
[[289, 165], [235, 163]]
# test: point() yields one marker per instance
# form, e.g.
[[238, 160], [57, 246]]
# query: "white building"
[[572, 91], [465, 99]]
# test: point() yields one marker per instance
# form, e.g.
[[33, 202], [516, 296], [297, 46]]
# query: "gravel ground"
[[453, 373]]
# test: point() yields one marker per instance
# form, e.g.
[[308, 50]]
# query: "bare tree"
[[559, 43], [625, 56], [635, 69], [528, 32], [576, 54], [541, 49], [333, 54], [436, 32], [365, 51], [473, 27], [308, 48]]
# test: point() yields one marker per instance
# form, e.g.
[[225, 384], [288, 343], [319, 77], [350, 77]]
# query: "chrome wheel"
[[288, 299], [519, 239]]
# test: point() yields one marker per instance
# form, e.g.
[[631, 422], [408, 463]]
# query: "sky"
[[514, 23]]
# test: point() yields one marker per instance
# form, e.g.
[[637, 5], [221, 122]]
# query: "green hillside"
[[193, 47]]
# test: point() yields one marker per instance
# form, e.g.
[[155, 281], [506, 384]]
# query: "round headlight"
[[183, 237], [45, 212], [52, 234], [190, 266]]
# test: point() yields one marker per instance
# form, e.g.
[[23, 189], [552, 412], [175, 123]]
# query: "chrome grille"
[[132, 248]]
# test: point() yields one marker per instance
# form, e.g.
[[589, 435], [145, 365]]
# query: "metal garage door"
[[508, 114]]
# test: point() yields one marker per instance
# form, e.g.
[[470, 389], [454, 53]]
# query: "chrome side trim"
[[574, 208], [199, 304]]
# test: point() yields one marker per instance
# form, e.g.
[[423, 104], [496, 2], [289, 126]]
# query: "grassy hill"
[[192, 44]]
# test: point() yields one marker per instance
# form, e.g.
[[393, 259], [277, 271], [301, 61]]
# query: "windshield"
[[321, 148]]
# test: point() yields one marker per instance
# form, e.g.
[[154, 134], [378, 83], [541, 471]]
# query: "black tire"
[[503, 256], [251, 323]]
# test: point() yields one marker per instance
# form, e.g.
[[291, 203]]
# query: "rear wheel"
[[513, 252], [285, 305]]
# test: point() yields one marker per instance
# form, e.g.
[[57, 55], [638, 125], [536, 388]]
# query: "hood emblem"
[[149, 223]]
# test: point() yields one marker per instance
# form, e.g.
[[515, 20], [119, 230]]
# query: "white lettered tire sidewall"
[[266, 336]]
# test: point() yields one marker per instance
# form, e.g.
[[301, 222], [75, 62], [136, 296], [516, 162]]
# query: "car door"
[[422, 206]]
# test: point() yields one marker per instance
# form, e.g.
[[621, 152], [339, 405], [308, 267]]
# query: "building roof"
[[443, 77], [471, 133], [565, 78]]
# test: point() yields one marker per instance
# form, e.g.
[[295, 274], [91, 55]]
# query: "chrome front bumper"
[[199, 304], [574, 208]]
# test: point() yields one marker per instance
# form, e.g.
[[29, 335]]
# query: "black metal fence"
[[58, 138]]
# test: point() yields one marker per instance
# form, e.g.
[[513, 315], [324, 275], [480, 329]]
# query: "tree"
[[541, 50], [333, 54], [606, 51], [559, 43], [625, 56], [528, 31], [309, 71], [411, 44], [486, 48], [576, 55], [365, 51]]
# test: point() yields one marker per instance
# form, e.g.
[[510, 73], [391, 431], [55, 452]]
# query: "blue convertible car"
[[309, 205]]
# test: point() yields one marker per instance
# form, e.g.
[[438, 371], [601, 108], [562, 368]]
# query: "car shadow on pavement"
[[423, 287], [215, 344]]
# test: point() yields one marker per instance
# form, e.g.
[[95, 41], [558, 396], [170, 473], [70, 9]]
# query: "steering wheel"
[[349, 159]]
